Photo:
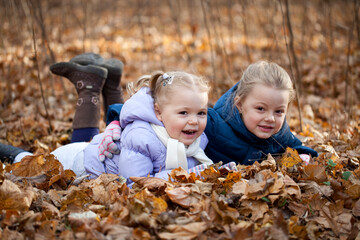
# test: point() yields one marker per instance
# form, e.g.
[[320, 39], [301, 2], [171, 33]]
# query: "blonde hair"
[[163, 84], [268, 73]]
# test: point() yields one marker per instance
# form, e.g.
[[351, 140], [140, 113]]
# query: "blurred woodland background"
[[317, 42]]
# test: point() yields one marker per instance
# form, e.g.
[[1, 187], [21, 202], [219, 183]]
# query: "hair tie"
[[167, 79]]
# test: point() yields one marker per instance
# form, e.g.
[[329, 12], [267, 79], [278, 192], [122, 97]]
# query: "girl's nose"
[[193, 120], [270, 117]]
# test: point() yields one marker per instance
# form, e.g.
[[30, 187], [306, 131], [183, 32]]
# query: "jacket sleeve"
[[92, 164], [296, 144], [306, 150], [113, 113], [140, 155]]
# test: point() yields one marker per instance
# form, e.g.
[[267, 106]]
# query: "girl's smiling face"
[[263, 110], [184, 115]]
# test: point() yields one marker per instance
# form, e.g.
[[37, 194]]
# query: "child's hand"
[[230, 166], [197, 169], [305, 158], [107, 147]]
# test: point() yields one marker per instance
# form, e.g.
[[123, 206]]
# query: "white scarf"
[[176, 152]]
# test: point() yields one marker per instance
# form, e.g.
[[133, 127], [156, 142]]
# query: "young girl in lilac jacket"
[[163, 125]]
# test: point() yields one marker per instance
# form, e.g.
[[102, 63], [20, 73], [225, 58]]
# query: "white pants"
[[70, 155]]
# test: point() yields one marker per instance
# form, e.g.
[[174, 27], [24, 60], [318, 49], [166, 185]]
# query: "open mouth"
[[189, 132]]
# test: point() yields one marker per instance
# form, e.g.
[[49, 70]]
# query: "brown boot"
[[112, 91], [88, 81]]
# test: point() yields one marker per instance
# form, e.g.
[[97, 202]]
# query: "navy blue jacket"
[[229, 139]]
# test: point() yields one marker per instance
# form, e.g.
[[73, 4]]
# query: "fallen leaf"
[[188, 231], [184, 196]]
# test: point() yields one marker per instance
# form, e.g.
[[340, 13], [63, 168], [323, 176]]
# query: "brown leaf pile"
[[276, 199]]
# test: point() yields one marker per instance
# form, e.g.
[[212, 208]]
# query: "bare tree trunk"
[[204, 10], [243, 18], [177, 20], [289, 51], [348, 82], [85, 19], [230, 5], [220, 41], [38, 14], [329, 21], [39, 80], [141, 25], [357, 23]]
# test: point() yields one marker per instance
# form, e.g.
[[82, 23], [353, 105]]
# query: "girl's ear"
[[238, 103], [157, 111]]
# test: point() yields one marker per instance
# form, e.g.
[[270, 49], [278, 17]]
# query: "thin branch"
[[38, 77], [291, 45], [291, 68]]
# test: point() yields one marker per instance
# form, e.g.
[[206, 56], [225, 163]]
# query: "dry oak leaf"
[[105, 189], [154, 184], [314, 173], [265, 182], [352, 186], [356, 209], [292, 189], [9, 234], [243, 230], [75, 199], [269, 163], [157, 205], [187, 231], [311, 188], [50, 211], [220, 213], [290, 158], [278, 230], [295, 228], [185, 196], [29, 166], [204, 187], [299, 209], [338, 222], [181, 175], [257, 209], [12, 197], [241, 187], [113, 231]]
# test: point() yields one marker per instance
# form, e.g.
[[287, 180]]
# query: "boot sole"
[[114, 66], [64, 68]]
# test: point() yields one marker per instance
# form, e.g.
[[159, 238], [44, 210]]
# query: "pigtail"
[[154, 83], [143, 81], [154, 80]]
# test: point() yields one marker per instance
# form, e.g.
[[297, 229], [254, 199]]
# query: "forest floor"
[[279, 198]]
